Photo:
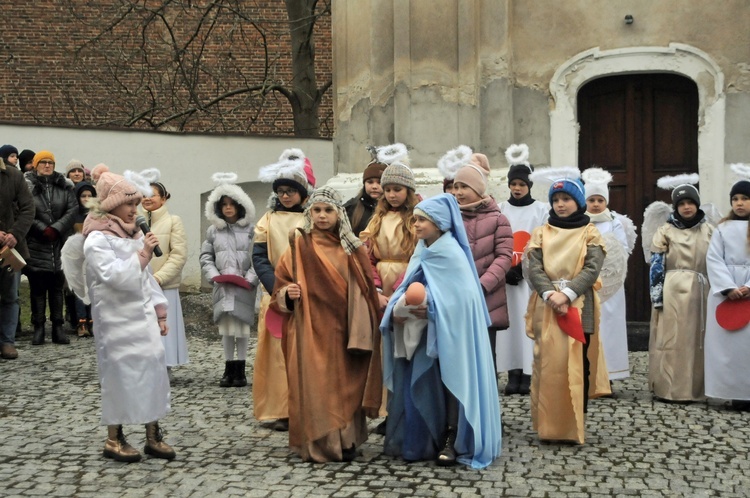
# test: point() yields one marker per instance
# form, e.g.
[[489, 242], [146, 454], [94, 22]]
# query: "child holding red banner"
[[565, 257], [727, 344], [225, 261], [515, 351]]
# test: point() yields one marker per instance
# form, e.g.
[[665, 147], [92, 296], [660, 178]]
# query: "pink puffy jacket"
[[491, 240]]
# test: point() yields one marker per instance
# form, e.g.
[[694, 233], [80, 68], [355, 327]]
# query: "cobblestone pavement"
[[50, 443]]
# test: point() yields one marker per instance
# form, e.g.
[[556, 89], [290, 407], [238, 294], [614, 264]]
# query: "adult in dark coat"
[[16, 215], [56, 207]]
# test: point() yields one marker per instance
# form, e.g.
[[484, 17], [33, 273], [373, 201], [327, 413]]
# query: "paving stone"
[[52, 443]]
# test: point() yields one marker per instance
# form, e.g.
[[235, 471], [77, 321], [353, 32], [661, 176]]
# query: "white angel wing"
[[74, 267], [630, 230], [713, 215], [655, 215], [615, 267]]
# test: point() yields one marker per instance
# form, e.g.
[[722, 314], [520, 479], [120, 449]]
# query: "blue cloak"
[[454, 352]]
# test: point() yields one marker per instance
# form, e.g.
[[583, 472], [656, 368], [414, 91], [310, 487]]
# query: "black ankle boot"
[[58, 334], [514, 381], [240, 380], [447, 455], [525, 387], [227, 378], [38, 338]]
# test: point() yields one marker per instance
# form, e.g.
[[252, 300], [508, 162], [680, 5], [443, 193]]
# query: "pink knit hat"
[[475, 174], [97, 172], [113, 190]]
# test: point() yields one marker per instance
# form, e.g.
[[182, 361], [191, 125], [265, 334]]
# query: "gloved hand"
[[514, 275], [50, 234]]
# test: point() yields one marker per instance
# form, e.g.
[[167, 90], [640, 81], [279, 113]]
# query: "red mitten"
[[50, 234]]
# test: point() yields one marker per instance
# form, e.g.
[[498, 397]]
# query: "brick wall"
[[61, 65]]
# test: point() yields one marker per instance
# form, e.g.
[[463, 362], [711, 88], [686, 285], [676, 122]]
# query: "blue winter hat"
[[572, 187]]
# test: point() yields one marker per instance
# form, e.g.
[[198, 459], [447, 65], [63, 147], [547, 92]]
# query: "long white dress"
[[727, 369], [130, 354], [613, 326], [514, 348]]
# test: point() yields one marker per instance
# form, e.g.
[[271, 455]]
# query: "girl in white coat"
[[613, 324], [108, 265], [728, 264]]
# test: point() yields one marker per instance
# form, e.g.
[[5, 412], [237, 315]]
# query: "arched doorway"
[[639, 127]]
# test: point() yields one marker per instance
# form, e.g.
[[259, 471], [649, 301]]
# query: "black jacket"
[[369, 204], [16, 206], [56, 207]]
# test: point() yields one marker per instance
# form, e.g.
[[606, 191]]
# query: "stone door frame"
[[677, 58]]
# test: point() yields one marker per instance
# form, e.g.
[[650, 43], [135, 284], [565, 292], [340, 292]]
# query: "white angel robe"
[[130, 354], [727, 364], [515, 350], [612, 325]]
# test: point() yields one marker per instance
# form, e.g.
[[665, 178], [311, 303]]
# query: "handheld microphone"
[[141, 222]]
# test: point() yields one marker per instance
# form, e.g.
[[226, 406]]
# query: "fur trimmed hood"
[[239, 196], [56, 178]]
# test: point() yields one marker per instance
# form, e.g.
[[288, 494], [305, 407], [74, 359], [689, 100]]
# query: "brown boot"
[[155, 445], [117, 448]]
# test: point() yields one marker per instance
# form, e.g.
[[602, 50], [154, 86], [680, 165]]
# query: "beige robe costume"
[[331, 344], [270, 391], [557, 377], [675, 349], [391, 260]]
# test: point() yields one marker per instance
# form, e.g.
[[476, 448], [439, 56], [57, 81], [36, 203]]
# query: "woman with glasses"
[[56, 206]]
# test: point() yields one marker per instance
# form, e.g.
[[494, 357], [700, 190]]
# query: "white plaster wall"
[[186, 163]]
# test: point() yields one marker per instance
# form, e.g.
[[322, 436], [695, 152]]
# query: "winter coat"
[[227, 250], [56, 207], [170, 231], [16, 206], [81, 211], [369, 209], [491, 240]]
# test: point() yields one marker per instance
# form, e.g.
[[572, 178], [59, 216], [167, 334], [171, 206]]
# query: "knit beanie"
[[742, 186], [292, 170], [521, 172], [113, 190], [373, 170], [83, 187], [73, 164], [396, 156], [398, 174], [25, 157], [596, 181], [573, 188], [6, 151], [475, 174], [562, 179], [97, 172], [682, 186], [43, 154]]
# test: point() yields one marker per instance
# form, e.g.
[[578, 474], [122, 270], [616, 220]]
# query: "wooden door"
[[639, 127]]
